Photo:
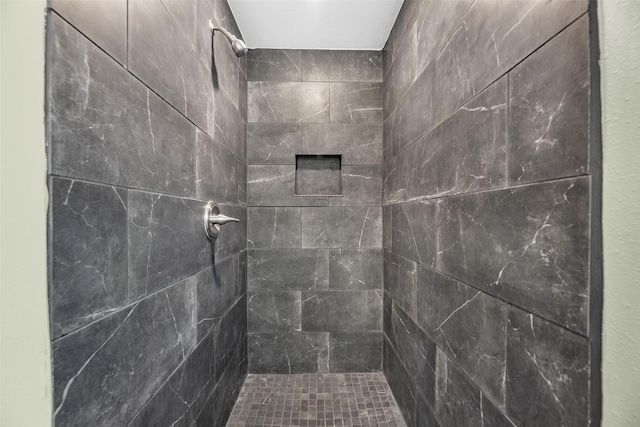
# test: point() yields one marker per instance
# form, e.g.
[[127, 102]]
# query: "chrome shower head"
[[238, 46]]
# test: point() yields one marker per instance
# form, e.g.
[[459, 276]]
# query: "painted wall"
[[620, 61], [315, 226], [487, 213], [25, 361], [148, 317]]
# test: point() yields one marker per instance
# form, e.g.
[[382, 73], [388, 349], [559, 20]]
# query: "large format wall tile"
[[355, 269], [355, 352], [469, 325], [288, 270], [274, 185], [459, 402], [166, 241], [549, 109], [288, 102], [217, 289], [493, 37], [273, 143], [288, 352], [550, 363], [359, 144], [402, 74], [217, 171], [278, 65], [342, 311], [103, 22], [400, 382], [400, 277], [100, 377], [275, 311], [531, 244], [181, 398], [356, 102], [413, 231], [159, 52], [229, 126], [233, 237], [277, 227], [361, 186], [89, 262], [108, 127], [416, 351], [465, 153], [342, 66], [342, 227]]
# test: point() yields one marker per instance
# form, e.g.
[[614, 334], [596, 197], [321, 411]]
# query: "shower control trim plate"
[[213, 219]]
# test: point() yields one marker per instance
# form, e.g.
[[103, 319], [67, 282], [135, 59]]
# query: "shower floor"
[[315, 400]]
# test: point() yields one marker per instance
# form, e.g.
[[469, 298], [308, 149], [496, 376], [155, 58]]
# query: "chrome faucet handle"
[[213, 219]]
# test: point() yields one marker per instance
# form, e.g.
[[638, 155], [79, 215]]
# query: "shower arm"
[[227, 34]]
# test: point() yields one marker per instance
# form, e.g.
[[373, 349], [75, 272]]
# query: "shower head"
[[238, 46]]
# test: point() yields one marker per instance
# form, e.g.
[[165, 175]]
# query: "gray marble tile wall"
[[314, 263], [148, 317], [486, 194]]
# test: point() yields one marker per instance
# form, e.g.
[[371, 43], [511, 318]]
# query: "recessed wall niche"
[[318, 175]]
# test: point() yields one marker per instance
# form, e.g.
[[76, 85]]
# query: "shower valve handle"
[[213, 220]]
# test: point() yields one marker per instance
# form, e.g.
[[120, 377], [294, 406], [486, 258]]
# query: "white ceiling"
[[315, 24]]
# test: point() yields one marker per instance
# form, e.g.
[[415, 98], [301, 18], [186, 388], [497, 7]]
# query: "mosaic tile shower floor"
[[315, 400]]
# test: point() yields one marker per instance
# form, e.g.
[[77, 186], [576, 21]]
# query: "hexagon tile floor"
[[316, 400]]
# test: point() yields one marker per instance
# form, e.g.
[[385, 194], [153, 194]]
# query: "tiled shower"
[[428, 212]]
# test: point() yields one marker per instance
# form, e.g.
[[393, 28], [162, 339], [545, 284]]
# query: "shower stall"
[[418, 225]]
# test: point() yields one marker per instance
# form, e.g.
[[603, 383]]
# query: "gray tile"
[[550, 363], [400, 382], [278, 227], [229, 126], [274, 311], [318, 175], [355, 269], [469, 325], [277, 270], [400, 277], [416, 351], [233, 236], [217, 405], [217, 171], [166, 241], [361, 186], [387, 231], [359, 144], [179, 400], [288, 352], [217, 292], [458, 401], [159, 52], [100, 377], [226, 69], [414, 231], [89, 253], [356, 102], [549, 109], [103, 22], [274, 185], [465, 153], [229, 335], [401, 76], [441, 18], [106, 126], [342, 311], [288, 102], [532, 244], [342, 66], [273, 143], [355, 351], [342, 227], [495, 36], [274, 65]]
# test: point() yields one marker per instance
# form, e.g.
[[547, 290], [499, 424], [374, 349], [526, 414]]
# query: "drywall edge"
[[619, 28], [25, 363]]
